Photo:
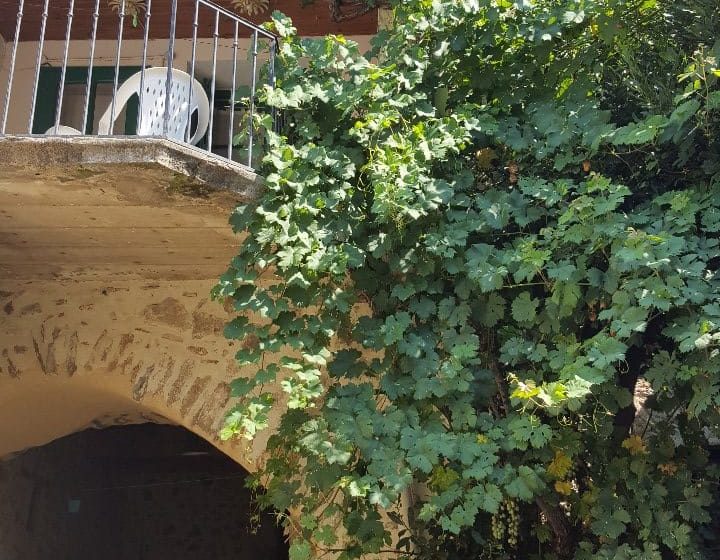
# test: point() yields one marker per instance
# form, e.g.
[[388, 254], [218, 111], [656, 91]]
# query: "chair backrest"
[[153, 100], [62, 130]]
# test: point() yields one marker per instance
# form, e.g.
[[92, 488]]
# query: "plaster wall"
[[105, 315]]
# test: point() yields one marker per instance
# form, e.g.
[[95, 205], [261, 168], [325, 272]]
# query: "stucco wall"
[[105, 314]]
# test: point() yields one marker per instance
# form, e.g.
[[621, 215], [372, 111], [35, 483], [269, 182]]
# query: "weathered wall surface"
[[105, 316]]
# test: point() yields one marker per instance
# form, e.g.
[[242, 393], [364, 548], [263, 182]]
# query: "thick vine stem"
[[637, 358], [561, 528], [503, 407], [625, 417]]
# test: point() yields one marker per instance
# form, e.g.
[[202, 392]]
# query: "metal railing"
[[200, 44]]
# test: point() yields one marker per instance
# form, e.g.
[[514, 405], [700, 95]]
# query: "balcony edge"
[[216, 172]]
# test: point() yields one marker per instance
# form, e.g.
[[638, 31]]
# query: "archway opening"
[[146, 492]]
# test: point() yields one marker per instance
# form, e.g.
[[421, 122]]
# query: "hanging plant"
[[251, 7], [133, 9]]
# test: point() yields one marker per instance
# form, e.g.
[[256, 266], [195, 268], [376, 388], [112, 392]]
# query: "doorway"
[[140, 492], [72, 112]]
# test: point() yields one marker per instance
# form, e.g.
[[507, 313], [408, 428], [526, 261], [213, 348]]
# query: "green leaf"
[[423, 307], [491, 498], [524, 308], [525, 485], [633, 319], [487, 276], [529, 429], [395, 326], [490, 310], [611, 525], [713, 100], [562, 271], [240, 387], [606, 350], [237, 328], [346, 364], [300, 551]]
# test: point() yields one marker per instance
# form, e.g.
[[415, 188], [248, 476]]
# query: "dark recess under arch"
[[141, 492]]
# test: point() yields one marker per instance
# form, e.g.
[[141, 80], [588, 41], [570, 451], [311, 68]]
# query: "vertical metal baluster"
[[41, 44], [271, 79], [11, 73], [232, 93], [212, 86], [252, 98], [63, 72], [138, 125], [121, 26], [91, 60], [170, 57], [188, 132]]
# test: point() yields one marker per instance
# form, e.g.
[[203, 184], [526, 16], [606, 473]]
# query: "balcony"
[[112, 79]]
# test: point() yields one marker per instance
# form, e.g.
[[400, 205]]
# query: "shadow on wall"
[[146, 492]]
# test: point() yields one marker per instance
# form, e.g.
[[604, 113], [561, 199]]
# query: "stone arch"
[[60, 374], [105, 314]]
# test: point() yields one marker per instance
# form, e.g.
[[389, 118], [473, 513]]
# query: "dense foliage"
[[475, 243]]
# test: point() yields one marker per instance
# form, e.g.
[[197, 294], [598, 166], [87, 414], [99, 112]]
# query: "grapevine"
[[474, 243]]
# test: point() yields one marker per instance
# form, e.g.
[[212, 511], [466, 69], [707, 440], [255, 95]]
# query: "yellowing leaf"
[[647, 6], [442, 478], [560, 465], [525, 390], [563, 487], [635, 445], [485, 157]]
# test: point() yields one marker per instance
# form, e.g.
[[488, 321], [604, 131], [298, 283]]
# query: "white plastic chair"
[[62, 130], [152, 110]]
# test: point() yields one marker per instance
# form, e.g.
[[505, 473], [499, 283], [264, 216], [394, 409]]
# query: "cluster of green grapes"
[[505, 523]]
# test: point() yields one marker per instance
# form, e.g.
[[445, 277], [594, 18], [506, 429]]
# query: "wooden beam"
[[313, 20]]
